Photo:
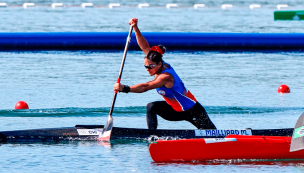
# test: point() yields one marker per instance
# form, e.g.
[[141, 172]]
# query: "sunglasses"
[[150, 66]]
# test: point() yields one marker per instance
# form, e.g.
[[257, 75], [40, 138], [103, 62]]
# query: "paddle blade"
[[297, 140], [106, 132]]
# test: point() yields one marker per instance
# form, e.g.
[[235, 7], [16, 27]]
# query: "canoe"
[[228, 148], [91, 132]]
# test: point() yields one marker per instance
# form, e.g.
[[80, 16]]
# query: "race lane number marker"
[[222, 132], [216, 140], [88, 132]]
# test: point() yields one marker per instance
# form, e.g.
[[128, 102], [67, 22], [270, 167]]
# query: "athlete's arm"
[[161, 80], [141, 41], [158, 82]]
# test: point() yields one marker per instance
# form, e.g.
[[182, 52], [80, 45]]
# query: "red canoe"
[[231, 147]]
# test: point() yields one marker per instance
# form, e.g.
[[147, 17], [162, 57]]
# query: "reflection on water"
[[121, 156]]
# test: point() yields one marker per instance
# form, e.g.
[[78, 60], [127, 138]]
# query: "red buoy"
[[21, 105], [283, 89]]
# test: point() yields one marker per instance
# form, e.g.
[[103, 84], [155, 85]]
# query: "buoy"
[[57, 5], [143, 5], [168, 6], [3, 4], [21, 105], [86, 5], [28, 5], [283, 89], [279, 6], [196, 6], [252, 6], [113, 5], [226, 6]]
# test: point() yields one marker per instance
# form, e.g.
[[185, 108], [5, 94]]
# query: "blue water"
[[239, 19], [65, 88]]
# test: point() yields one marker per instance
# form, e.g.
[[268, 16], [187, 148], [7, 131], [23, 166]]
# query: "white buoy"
[[143, 5], [86, 5], [196, 6], [282, 6], [56, 5], [171, 5], [3, 5], [28, 5], [252, 6], [113, 5], [225, 6]]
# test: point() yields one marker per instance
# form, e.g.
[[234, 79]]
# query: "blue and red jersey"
[[178, 97]]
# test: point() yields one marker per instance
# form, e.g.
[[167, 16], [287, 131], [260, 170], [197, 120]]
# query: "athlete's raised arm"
[[141, 41]]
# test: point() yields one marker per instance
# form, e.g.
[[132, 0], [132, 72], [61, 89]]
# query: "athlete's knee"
[[202, 121], [151, 107]]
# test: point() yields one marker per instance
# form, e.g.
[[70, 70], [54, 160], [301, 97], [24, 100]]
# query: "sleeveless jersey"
[[178, 97]]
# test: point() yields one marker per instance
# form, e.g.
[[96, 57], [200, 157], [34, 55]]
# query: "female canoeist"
[[179, 103]]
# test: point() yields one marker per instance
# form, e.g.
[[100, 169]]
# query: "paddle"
[[297, 140], [106, 132]]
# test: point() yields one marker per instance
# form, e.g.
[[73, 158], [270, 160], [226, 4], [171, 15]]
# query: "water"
[[65, 88], [154, 19]]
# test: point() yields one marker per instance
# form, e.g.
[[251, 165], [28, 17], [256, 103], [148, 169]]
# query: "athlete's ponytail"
[[162, 48], [156, 53]]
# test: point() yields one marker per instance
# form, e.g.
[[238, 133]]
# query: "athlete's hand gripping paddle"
[[106, 132]]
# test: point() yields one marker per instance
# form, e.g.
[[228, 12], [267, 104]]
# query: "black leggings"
[[196, 115]]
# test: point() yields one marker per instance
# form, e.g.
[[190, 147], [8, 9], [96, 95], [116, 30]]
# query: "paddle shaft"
[[121, 68]]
